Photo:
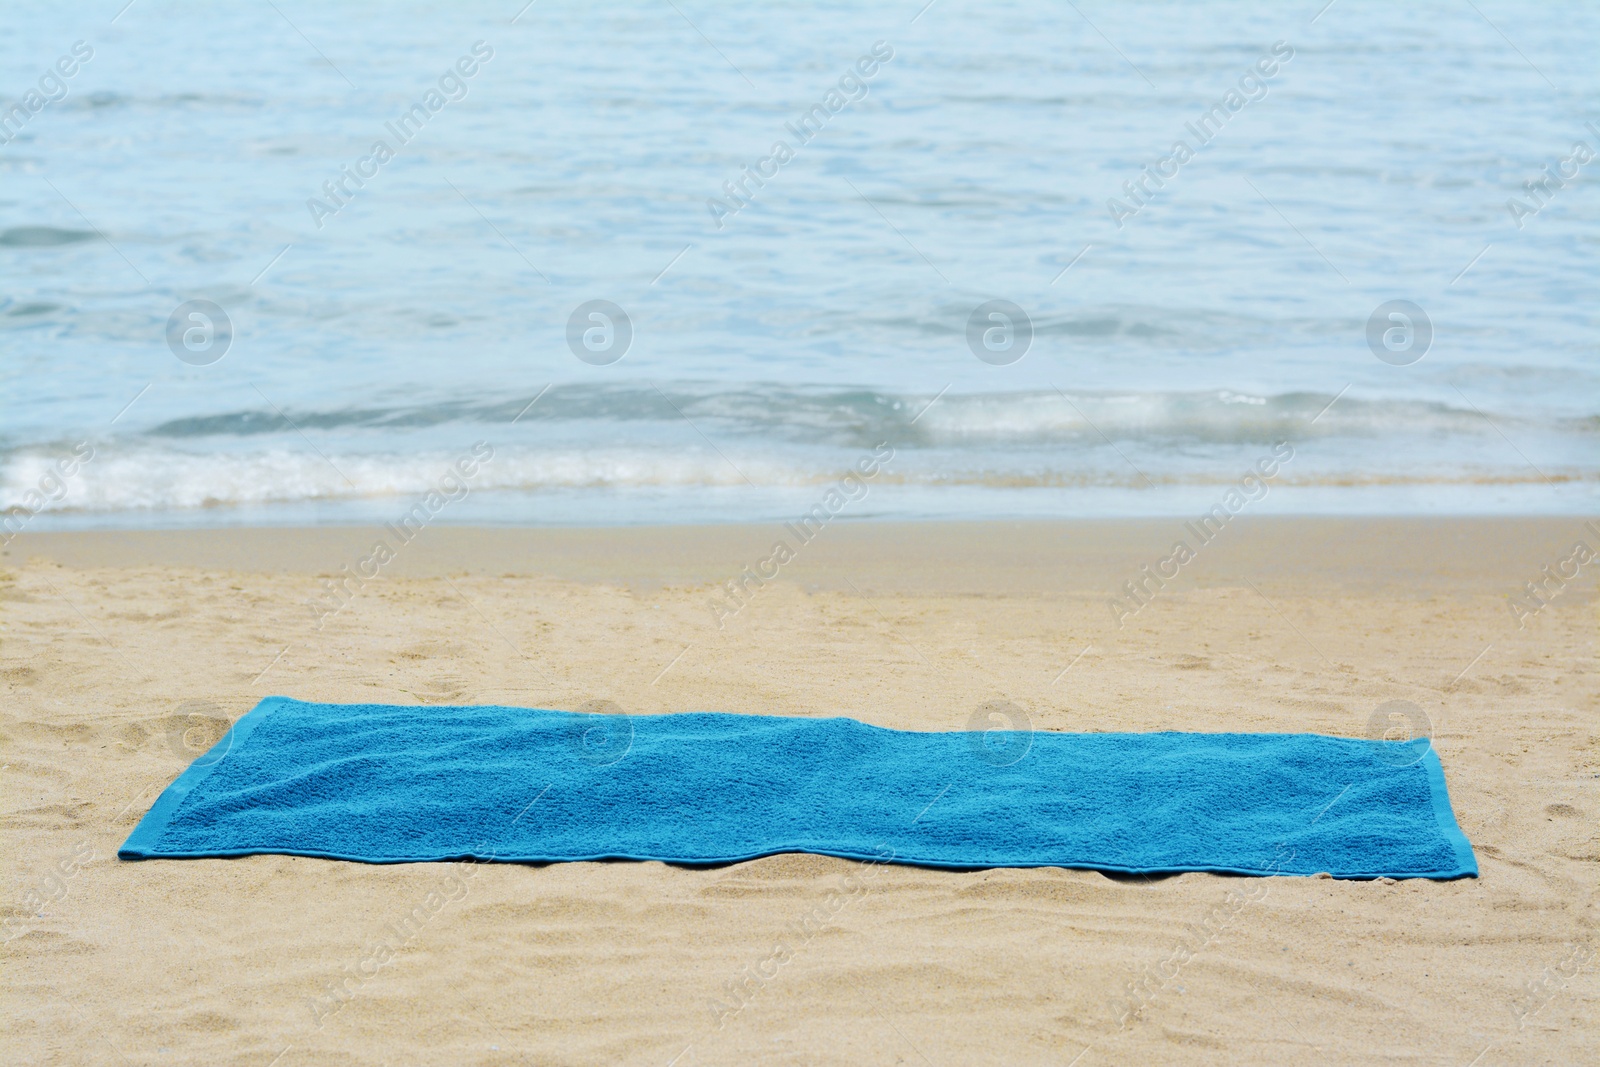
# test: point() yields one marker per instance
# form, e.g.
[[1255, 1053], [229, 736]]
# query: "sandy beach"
[[125, 653], [1147, 368]]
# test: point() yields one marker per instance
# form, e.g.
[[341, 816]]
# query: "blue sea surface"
[[1188, 309]]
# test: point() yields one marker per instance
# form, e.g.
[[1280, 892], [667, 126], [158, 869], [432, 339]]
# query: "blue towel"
[[399, 784]]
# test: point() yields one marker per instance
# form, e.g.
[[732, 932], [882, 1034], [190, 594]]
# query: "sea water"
[[1170, 320]]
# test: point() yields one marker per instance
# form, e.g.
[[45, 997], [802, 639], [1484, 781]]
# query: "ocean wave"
[[144, 478], [862, 417], [42, 237]]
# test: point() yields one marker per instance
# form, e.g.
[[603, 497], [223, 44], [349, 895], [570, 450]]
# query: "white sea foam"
[[685, 437], [145, 476]]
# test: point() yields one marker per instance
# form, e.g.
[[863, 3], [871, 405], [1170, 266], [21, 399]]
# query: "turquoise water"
[[1187, 309]]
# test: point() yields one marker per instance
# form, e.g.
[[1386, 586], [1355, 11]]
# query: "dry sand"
[[122, 652]]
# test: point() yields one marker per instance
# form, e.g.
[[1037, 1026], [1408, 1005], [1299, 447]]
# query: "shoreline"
[[1483, 554]]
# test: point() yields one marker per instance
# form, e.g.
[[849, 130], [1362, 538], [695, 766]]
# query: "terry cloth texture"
[[400, 784]]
